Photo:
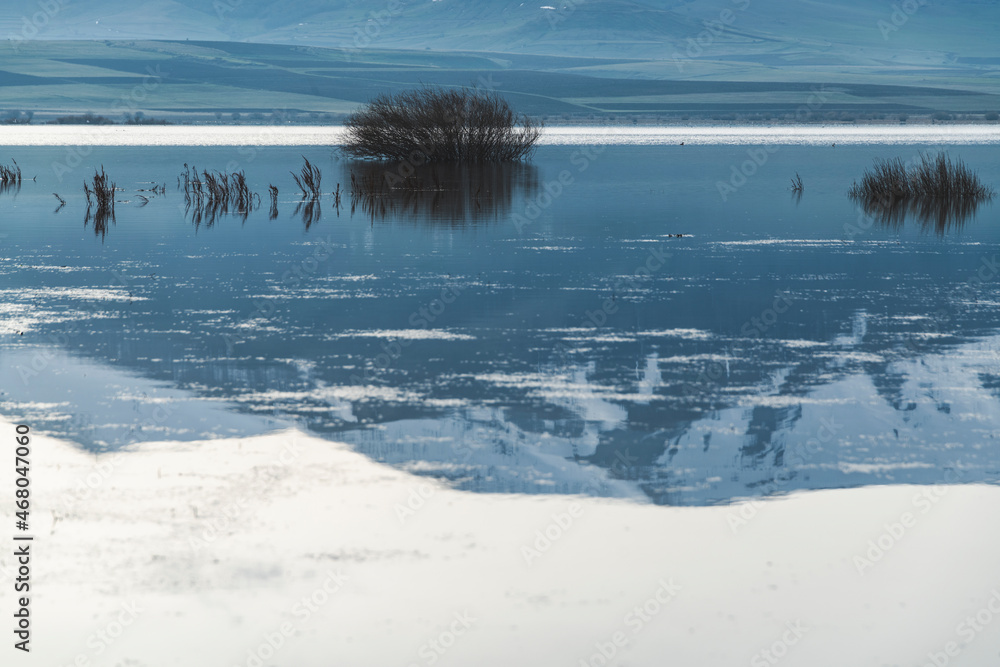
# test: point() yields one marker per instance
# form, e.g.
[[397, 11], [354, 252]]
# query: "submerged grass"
[[100, 193], [10, 175], [309, 179], [10, 178], [273, 191], [211, 194], [797, 183]]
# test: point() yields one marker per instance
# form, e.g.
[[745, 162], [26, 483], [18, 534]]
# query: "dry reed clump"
[[797, 183], [100, 193], [273, 192], [309, 179], [939, 193], [212, 194], [310, 182], [10, 175], [933, 177]]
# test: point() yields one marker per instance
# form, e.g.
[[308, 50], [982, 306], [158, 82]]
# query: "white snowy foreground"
[[286, 550]]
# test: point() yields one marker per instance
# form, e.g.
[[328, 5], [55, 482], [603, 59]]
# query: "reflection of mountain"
[[792, 430], [107, 408], [604, 419], [450, 193], [853, 410]]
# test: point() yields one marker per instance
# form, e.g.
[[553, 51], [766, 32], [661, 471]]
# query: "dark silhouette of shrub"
[[440, 125], [86, 119]]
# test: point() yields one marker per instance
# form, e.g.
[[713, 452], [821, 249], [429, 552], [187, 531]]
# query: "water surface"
[[619, 318]]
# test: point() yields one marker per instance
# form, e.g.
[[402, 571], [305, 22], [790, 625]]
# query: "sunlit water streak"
[[810, 135]]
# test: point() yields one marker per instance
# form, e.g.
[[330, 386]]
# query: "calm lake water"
[[624, 316]]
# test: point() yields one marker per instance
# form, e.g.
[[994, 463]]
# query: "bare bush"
[[440, 125]]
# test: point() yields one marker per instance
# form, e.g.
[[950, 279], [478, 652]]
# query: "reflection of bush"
[[940, 214], [450, 192]]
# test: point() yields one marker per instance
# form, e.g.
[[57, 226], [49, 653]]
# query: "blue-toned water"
[[662, 321]]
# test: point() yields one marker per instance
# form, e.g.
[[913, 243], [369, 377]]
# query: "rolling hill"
[[572, 59], [807, 33]]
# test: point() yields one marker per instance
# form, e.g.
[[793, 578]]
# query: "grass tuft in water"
[[10, 175], [797, 183], [309, 179], [938, 177], [100, 193], [939, 193], [273, 192], [214, 193]]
